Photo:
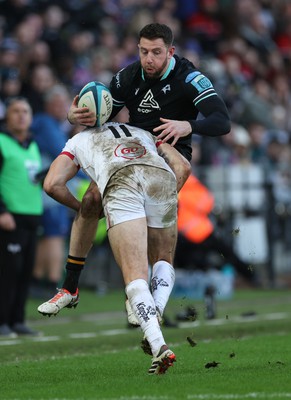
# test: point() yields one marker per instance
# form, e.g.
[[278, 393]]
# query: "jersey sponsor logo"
[[199, 81], [130, 150], [14, 248], [191, 76], [117, 79], [166, 88], [148, 103]]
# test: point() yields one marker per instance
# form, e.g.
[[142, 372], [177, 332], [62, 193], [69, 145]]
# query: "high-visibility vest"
[[194, 206]]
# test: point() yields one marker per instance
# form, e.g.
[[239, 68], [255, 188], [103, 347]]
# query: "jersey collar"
[[171, 66], [25, 143]]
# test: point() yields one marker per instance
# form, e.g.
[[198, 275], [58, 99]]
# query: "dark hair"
[[157, 31], [13, 99]]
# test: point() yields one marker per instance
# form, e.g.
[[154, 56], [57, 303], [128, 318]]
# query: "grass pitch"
[[89, 353]]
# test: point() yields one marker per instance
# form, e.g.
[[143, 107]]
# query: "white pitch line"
[[181, 325], [10, 342], [84, 335], [45, 339], [229, 320], [232, 396]]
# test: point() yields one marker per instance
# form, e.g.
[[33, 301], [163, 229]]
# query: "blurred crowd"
[[243, 46]]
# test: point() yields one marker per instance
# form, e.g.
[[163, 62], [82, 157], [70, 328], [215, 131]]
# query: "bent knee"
[[91, 205], [182, 172], [187, 168]]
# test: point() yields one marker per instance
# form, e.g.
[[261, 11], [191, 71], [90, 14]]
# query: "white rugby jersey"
[[100, 152]]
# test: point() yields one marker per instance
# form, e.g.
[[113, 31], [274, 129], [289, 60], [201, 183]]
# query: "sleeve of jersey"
[[216, 120], [118, 102], [69, 151]]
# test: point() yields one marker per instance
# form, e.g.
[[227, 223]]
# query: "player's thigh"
[[160, 197], [123, 203], [123, 199], [161, 212], [128, 241]]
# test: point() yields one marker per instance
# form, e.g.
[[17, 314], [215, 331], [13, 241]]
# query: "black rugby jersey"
[[179, 94]]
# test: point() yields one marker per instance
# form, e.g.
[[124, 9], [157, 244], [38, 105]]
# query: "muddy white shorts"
[[139, 191]]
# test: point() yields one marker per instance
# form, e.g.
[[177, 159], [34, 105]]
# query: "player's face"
[[154, 57], [19, 117]]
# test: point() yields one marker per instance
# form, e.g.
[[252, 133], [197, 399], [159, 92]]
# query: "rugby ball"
[[98, 99]]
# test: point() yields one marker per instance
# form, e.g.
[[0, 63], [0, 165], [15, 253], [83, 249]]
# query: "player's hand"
[[172, 129], [81, 115], [7, 221]]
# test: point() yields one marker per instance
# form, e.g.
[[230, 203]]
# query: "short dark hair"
[[13, 99], [157, 31]]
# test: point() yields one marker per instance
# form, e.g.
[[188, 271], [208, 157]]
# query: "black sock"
[[74, 268]]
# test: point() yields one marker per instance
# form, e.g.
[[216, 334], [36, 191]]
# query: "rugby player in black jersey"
[[164, 94]]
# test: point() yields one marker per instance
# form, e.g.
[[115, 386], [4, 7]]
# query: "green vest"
[[17, 190]]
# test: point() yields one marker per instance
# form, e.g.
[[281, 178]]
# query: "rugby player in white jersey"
[[139, 199]]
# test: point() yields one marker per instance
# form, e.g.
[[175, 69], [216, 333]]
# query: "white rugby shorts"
[[139, 191]]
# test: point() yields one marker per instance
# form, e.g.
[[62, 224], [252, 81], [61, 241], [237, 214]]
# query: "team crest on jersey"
[[199, 81], [148, 103], [130, 150], [166, 88]]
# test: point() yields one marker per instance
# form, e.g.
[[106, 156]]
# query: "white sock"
[[162, 282], [143, 305]]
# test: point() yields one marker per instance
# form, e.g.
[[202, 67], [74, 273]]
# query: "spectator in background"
[[20, 210], [50, 132], [10, 54], [234, 148], [41, 80], [11, 84], [39, 53], [248, 41]]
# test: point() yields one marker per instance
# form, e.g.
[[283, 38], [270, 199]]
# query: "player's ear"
[[171, 51]]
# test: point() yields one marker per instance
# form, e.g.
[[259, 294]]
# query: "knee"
[[186, 168], [91, 205], [183, 171]]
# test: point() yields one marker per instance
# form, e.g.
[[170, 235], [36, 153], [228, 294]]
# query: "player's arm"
[[179, 165], [61, 171], [216, 121]]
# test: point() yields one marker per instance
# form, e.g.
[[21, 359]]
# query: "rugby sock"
[[162, 282], [143, 305], [74, 268]]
